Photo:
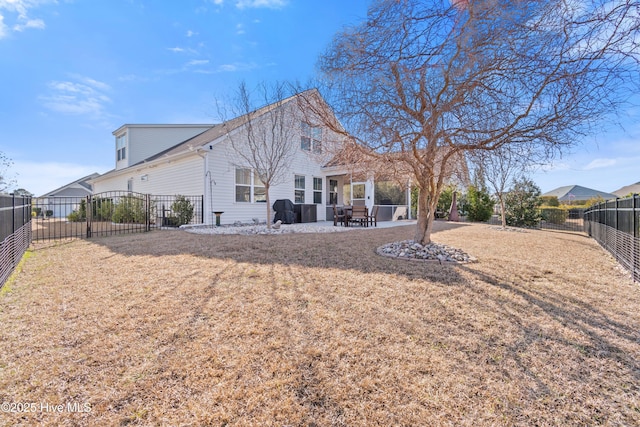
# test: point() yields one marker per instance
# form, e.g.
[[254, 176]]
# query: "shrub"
[[49, 213], [80, 214], [521, 204], [102, 209], [130, 209], [479, 204], [75, 216], [183, 210], [549, 201], [554, 215]]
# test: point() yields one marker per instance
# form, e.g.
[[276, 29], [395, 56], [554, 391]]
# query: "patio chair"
[[373, 218], [359, 214], [339, 217]]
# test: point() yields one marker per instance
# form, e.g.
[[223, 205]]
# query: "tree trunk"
[[424, 226], [266, 191], [502, 216]]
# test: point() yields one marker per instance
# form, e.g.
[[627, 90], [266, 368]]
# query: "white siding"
[[144, 141], [222, 195], [183, 176]]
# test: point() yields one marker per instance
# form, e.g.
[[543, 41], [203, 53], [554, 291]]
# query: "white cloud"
[[84, 96], [270, 4], [600, 163], [240, 29], [191, 33], [3, 27], [197, 62], [21, 8], [30, 23]]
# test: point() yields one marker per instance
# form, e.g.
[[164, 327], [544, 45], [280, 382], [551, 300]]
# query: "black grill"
[[284, 211]]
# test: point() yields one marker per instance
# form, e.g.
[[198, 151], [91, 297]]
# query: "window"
[[248, 184], [121, 147], [243, 185], [333, 191], [311, 139], [299, 189], [259, 193], [130, 185], [317, 190]]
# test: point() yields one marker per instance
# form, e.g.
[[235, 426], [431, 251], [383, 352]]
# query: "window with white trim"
[[311, 139], [317, 190], [299, 189], [121, 147], [249, 187], [333, 191]]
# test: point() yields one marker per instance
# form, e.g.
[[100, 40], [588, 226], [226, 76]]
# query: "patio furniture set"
[[349, 215]]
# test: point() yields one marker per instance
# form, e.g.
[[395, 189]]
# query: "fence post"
[[89, 213], [148, 219]]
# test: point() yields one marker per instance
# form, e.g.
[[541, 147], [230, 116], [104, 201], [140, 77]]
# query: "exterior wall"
[[146, 141], [182, 176]]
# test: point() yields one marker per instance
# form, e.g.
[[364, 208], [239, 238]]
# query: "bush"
[[80, 214], [130, 209], [521, 204], [549, 201], [183, 210], [479, 205], [102, 209], [554, 215], [75, 216]]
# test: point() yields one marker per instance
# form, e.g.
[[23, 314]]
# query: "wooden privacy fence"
[[615, 224], [15, 232]]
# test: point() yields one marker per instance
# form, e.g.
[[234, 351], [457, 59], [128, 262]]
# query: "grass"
[[171, 328]]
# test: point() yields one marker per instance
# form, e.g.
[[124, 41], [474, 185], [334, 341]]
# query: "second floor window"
[[311, 139], [121, 147]]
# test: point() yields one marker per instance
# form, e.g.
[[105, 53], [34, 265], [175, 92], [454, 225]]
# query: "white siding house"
[[206, 164]]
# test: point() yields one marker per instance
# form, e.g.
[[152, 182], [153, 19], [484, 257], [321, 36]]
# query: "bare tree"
[[501, 167], [5, 181], [428, 81], [267, 142]]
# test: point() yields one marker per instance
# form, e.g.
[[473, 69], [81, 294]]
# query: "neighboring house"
[[204, 163], [64, 200], [628, 189], [576, 193]]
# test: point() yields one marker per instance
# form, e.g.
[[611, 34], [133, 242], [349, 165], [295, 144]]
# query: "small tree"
[[522, 203], [479, 204], [268, 144]]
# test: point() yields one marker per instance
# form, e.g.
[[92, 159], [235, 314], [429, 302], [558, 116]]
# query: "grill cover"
[[284, 211]]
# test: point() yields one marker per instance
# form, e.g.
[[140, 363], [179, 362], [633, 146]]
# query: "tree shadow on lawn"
[[349, 250], [550, 317]]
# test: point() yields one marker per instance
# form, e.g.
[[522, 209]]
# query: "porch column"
[[369, 192]]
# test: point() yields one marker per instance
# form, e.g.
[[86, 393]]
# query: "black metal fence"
[[110, 213], [15, 232], [615, 225], [573, 221]]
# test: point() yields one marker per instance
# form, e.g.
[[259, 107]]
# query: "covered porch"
[[393, 201]]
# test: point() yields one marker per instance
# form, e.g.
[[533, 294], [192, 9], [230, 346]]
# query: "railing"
[[108, 213], [15, 232], [615, 225], [573, 222]]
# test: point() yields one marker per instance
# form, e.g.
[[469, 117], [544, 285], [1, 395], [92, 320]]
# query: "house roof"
[[217, 131], [627, 189], [576, 192], [82, 182]]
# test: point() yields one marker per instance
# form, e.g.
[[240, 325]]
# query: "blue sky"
[[73, 71]]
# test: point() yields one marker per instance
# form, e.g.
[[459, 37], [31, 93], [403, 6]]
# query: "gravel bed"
[[262, 229], [409, 249]]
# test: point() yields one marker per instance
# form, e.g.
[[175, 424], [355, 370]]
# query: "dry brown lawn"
[[171, 328]]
